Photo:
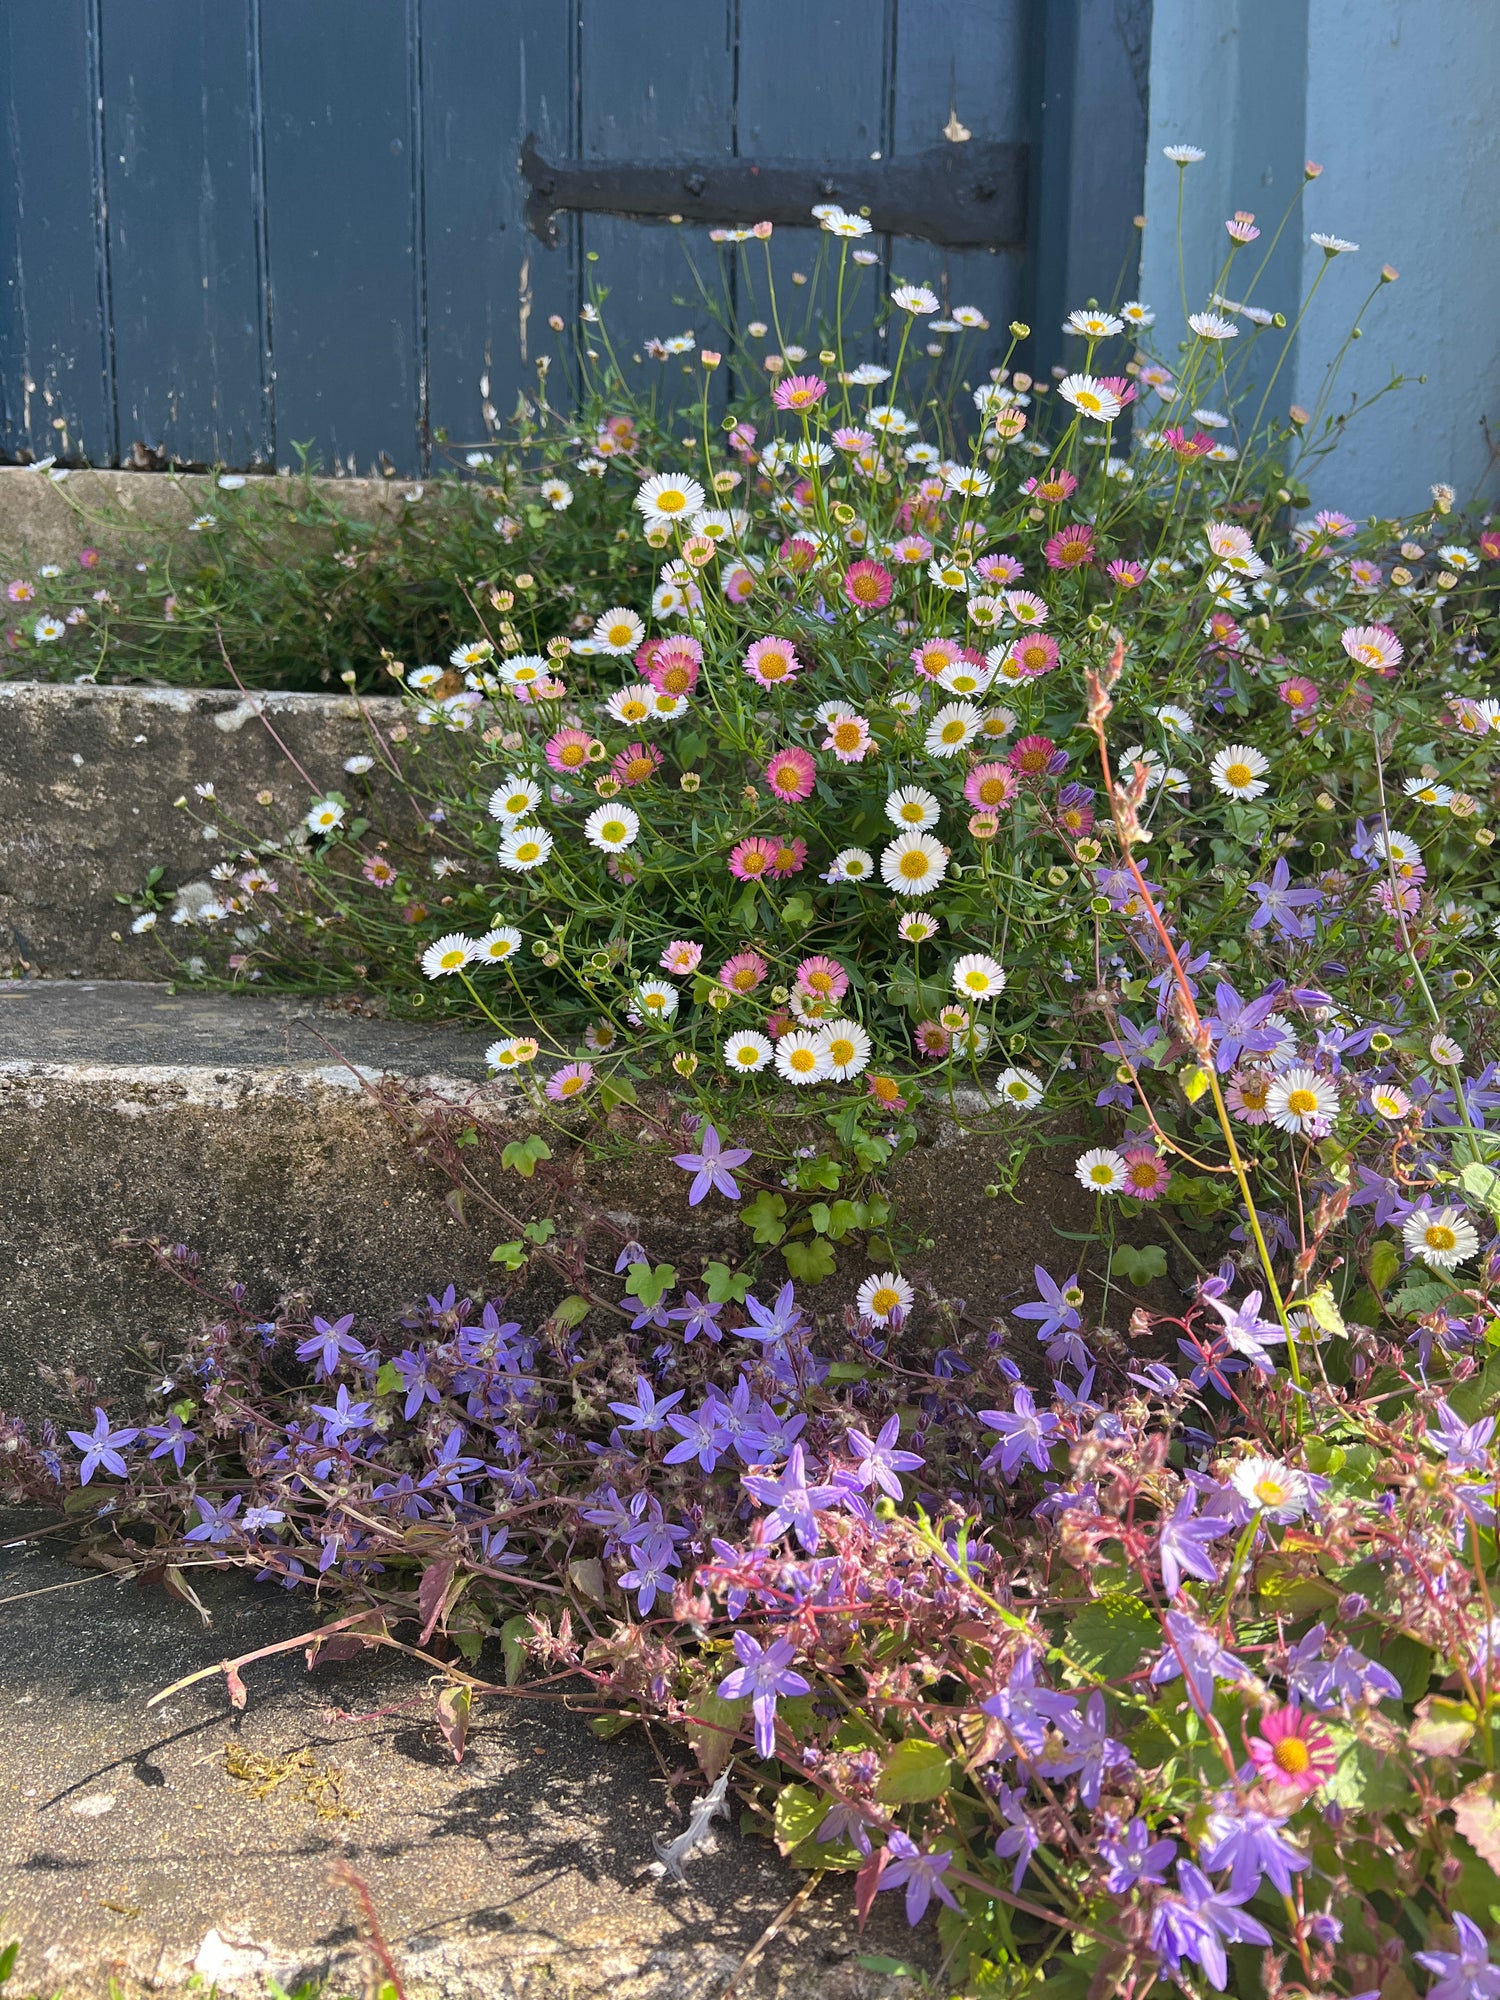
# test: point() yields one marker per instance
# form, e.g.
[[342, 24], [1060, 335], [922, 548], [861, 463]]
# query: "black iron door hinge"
[[966, 196]]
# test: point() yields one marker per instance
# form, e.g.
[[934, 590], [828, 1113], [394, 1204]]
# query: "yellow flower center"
[[977, 982], [452, 960], [1292, 1756], [1438, 1236], [612, 829], [914, 865], [841, 1052], [802, 1060], [1302, 1103], [884, 1299], [571, 754], [746, 1056], [571, 1086], [1102, 1174], [846, 735], [1270, 1491], [772, 667], [953, 732], [672, 501], [529, 850], [1237, 775]]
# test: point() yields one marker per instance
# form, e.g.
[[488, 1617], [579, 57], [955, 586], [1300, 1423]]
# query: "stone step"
[[87, 780], [131, 1859], [257, 1131]]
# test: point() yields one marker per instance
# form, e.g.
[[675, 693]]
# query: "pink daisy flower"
[[848, 738], [744, 972], [791, 773], [780, 1021], [753, 858], [1299, 694], [378, 870], [568, 751], [1000, 570], [1032, 756], [1247, 1094], [1126, 575], [20, 592], [1293, 1750], [570, 1081], [849, 437], [798, 554], [1076, 818], [989, 787], [737, 583], [1026, 607], [934, 656], [1034, 653], [1120, 387], [933, 1040], [823, 977], [1052, 488], [772, 662], [674, 666], [88, 558], [790, 857], [1223, 631], [1071, 547], [911, 549], [886, 1091], [1373, 646], [867, 585], [1146, 1173], [681, 957], [799, 392], [636, 764]]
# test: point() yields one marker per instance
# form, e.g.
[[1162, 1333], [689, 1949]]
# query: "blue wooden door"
[[234, 229]]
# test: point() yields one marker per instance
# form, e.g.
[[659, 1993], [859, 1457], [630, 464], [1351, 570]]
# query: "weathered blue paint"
[[233, 227], [1397, 103]]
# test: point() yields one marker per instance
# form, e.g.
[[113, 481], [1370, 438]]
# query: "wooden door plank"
[[53, 355], [492, 72], [187, 291], [341, 205]]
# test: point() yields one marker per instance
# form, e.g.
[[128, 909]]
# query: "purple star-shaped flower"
[[102, 1446], [1236, 1025], [646, 1413], [1052, 1309], [328, 1343], [922, 1870], [1026, 1435], [794, 1503], [1182, 1544], [1280, 905], [880, 1460], [1195, 1653], [216, 1525], [710, 1166], [1135, 1858], [764, 1673]]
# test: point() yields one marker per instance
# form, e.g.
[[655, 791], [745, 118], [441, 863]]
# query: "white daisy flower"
[[1302, 1101], [666, 497], [473, 655], [911, 806], [747, 1053], [511, 1053], [1332, 246], [525, 670], [325, 816], [1277, 1492], [497, 945], [963, 678], [1389, 1102], [656, 1000], [1135, 314], [514, 797], [618, 630], [948, 575], [801, 1057], [965, 480], [977, 976], [914, 864], [611, 828], [48, 630], [524, 847], [424, 677], [357, 766], [853, 864], [846, 1047], [1020, 1087], [882, 1295], [970, 316], [868, 375], [1184, 156], [632, 704], [955, 724], [1213, 326], [448, 954], [1442, 1237], [1173, 717], [557, 493], [1090, 397], [1237, 769], [915, 299], [1095, 325], [144, 923], [1102, 1169]]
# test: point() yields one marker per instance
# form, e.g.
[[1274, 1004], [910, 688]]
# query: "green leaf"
[[1419, 1295], [1139, 1267], [799, 1813], [914, 1771], [513, 1634], [511, 1255], [811, 1262], [387, 1382], [1364, 1781], [847, 1371], [1482, 1183], [611, 1725], [1382, 1264], [1108, 1636], [1325, 1311], [724, 1284], [762, 1217], [649, 1283], [616, 1090], [570, 1312], [540, 1232], [522, 1155]]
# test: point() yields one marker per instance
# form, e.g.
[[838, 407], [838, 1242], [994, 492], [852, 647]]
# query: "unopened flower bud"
[[699, 550], [525, 581], [709, 359], [685, 1062], [1019, 330], [690, 781]]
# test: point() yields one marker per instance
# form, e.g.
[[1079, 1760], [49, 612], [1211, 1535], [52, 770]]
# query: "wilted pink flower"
[[681, 957]]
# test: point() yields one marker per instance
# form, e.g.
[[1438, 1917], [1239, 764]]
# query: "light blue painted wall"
[[1399, 100]]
